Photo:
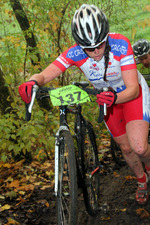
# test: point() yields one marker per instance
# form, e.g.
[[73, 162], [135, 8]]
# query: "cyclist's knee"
[[141, 149], [126, 149]]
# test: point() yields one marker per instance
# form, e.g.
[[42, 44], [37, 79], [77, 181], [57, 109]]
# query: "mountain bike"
[[76, 155]]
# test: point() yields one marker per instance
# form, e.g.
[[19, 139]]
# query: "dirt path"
[[117, 205]]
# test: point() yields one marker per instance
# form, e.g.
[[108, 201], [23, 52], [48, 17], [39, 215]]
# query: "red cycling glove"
[[25, 90], [107, 97]]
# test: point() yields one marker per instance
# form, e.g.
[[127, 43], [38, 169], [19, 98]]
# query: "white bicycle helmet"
[[89, 26], [141, 47]]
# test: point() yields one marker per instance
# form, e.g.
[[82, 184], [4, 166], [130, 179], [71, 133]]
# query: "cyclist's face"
[[145, 60], [96, 53]]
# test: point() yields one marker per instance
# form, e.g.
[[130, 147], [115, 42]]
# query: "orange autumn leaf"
[[116, 174], [143, 213], [14, 183], [12, 221], [130, 178], [28, 187]]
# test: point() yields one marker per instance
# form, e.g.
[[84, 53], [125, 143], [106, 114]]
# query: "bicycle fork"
[[57, 153]]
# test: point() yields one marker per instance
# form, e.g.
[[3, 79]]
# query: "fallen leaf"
[[143, 213], [2, 197], [21, 200], [123, 210], [14, 183], [130, 178], [22, 192], [11, 194], [116, 174], [105, 218], [46, 186], [12, 221], [6, 165], [5, 207], [43, 202]]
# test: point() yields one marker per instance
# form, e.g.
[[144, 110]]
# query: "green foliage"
[[50, 22], [132, 20], [18, 136]]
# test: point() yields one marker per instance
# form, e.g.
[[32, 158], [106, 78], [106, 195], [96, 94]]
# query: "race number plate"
[[68, 95]]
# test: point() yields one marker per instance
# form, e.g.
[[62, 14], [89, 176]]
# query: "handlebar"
[[103, 108], [37, 91]]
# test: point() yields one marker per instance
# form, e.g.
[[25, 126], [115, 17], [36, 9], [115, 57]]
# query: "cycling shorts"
[[120, 114]]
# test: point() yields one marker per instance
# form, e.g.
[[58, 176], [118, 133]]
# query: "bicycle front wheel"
[[67, 181], [90, 169]]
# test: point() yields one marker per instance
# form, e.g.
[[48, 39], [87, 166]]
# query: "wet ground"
[[37, 205]]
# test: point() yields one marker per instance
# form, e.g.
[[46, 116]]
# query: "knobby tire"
[[67, 184]]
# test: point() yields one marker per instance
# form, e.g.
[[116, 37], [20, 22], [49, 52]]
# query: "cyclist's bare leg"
[[137, 132], [129, 155], [136, 150], [134, 145]]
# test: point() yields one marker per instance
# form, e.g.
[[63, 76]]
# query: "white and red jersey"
[[120, 58]]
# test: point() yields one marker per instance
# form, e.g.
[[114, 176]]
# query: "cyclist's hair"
[[106, 55]]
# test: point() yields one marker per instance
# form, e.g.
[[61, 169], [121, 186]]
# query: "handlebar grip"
[[101, 114], [30, 105], [27, 115]]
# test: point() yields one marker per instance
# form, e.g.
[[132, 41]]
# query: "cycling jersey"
[[121, 58]]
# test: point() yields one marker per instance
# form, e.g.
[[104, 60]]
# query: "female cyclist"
[[107, 59]]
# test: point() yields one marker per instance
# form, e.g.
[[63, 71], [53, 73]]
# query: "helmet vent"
[[93, 9], [88, 28], [81, 14], [98, 18], [88, 12]]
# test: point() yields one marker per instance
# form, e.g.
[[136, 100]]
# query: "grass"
[[136, 21]]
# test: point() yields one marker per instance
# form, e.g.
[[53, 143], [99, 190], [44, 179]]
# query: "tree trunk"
[[30, 39], [25, 27], [5, 97]]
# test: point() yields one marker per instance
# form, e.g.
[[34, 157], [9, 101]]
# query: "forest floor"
[[27, 196]]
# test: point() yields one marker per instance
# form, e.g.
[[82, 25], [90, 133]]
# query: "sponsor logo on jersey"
[[76, 54], [119, 47], [94, 67]]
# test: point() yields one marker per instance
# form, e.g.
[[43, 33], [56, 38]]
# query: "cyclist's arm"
[[131, 92], [46, 75]]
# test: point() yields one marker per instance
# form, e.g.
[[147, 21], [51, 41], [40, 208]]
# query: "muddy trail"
[[36, 205]]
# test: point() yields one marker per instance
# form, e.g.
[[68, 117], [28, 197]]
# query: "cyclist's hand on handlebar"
[[107, 97], [25, 90]]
